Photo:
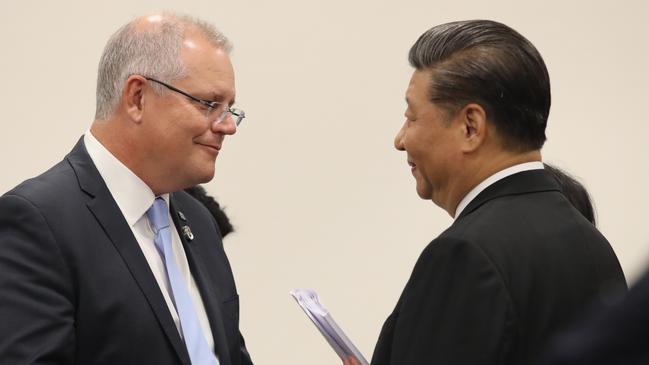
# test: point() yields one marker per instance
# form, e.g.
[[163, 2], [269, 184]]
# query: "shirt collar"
[[526, 166], [132, 195]]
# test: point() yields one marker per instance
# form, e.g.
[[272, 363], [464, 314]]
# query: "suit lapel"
[[103, 207], [197, 250]]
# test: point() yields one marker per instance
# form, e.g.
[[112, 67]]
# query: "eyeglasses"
[[211, 107]]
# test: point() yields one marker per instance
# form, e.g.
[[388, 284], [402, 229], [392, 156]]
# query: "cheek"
[[419, 146], [430, 157], [175, 143], [183, 132]]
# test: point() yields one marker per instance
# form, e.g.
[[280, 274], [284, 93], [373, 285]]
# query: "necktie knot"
[[158, 214]]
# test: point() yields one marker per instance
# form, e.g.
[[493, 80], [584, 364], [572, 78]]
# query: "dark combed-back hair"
[[488, 63]]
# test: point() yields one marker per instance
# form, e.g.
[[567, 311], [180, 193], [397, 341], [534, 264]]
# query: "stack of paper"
[[308, 300]]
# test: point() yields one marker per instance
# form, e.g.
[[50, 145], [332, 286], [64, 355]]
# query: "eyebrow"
[[214, 96]]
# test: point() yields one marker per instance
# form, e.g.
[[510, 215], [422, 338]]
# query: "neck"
[[479, 169], [123, 146]]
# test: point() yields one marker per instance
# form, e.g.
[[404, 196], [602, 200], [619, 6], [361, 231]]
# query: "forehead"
[[208, 67], [417, 91]]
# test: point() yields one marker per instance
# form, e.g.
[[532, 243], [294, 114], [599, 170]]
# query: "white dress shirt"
[[134, 198], [535, 165]]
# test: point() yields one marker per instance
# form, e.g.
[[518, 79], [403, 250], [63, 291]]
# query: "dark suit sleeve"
[[454, 310], [36, 305], [245, 356]]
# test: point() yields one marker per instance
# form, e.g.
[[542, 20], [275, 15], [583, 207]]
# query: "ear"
[[473, 122], [133, 97]]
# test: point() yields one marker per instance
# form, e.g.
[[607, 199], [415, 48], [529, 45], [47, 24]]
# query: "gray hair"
[[152, 52]]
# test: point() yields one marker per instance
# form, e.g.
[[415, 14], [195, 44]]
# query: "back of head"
[[488, 63], [574, 191], [148, 46]]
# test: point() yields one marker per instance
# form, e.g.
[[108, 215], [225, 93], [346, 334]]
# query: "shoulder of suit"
[[54, 185], [449, 245]]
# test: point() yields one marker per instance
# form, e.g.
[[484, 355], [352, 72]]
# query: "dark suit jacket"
[[617, 334], [519, 263], [75, 288]]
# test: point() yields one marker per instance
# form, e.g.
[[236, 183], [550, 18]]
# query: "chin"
[[198, 176], [424, 192], [205, 178]]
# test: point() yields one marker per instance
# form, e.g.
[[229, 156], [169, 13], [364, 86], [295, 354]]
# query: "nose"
[[226, 126], [398, 139]]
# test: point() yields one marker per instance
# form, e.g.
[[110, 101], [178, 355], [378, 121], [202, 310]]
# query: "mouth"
[[413, 166], [215, 148]]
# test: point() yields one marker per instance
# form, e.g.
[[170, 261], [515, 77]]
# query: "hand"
[[351, 360]]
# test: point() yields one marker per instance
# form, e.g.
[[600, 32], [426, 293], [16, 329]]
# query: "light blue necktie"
[[199, 351]]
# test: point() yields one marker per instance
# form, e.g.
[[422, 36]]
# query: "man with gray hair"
[[104, 259]]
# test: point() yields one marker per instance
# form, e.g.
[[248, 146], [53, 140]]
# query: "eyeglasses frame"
[[210, 105]]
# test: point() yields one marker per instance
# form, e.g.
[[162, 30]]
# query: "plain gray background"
[[311, 180]]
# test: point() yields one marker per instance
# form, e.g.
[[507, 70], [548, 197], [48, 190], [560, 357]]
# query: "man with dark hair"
[[519, 262]]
